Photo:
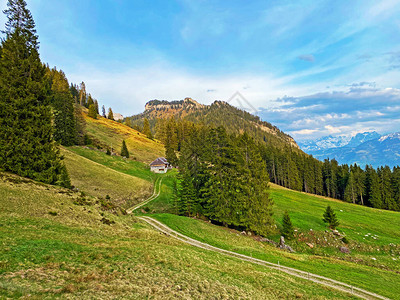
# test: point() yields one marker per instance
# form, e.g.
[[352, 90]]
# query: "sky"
[[313, 68]]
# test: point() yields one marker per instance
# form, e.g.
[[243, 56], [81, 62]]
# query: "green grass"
[[75, 255], [98, 180], [355, 220], [371, 278], [117, 163]]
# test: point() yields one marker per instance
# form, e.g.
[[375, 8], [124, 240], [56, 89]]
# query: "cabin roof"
[[161, 161]]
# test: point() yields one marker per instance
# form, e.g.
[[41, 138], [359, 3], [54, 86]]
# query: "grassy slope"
[[356, 221], [108, 132], [368, 277], [98, 180], [359, 268], [71, 253]]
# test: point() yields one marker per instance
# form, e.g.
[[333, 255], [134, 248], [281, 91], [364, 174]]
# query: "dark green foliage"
[[330, 218], [110, 114], [124, 150], [92, 111], [287, 226], [108, 152], [146, 129], [224, 178], [62, 102], [26, 134], [96, 106], [103, 111]]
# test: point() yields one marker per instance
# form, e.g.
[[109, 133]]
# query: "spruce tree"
[[62, 103], [110, 114], [146, 129], [26, 134], [287, 226], [103, 111], [92, 111], [96, 105], [330, 218], [124, 150]]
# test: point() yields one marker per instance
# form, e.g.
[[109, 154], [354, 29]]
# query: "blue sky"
[[312, 67]]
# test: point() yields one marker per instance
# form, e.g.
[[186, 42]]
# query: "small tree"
[[103, 111], [110, 114], [287, 230], [330, 218], [124, 150], [92, 111]]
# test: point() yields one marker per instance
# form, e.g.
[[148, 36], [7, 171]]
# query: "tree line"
[[39, 109], [291, 168]]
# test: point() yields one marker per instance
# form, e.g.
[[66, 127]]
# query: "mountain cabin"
[[160, 165]]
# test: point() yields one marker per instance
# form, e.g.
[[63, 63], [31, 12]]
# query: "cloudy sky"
[[312, 67]]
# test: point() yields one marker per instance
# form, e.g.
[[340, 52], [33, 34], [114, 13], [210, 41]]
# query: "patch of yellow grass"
[[111, 133], [99, 181]]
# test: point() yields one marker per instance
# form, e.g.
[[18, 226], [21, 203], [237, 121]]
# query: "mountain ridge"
[[219, 113], [368, 148]]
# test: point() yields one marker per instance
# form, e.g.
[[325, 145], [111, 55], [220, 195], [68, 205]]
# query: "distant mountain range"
[[368, 148]]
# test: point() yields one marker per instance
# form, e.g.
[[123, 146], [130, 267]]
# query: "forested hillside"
[[173, 123]]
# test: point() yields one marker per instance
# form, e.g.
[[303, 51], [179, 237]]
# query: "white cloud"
[[332, 129]]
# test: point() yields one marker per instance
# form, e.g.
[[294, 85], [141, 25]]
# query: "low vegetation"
[[52, 247], [100, 181]]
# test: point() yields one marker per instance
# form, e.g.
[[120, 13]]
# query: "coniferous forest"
[[39, 110], [290, 167]]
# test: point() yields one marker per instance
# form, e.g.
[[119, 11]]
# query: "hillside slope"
[[52, 245], [99, 181], [107, 133]]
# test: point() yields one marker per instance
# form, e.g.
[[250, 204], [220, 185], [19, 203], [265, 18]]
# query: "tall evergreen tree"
[[146, 129], [92, 111], [124, 150], [110, 114], [62, 102], [103, 111], [26, 136]]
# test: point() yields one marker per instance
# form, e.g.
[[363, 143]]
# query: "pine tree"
[[330, 218], [92, 111], [110, 114], [124, 150], [96, 105], [103, 111], [62, 103], [82, 94], [90, 101], [26, 135], [287, 226], [146, 129]]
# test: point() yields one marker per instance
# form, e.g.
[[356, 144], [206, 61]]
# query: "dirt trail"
[[152, 197], [341, 286]]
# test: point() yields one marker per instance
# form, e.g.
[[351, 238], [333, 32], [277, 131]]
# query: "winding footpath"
[[156, 193], [341, 286]]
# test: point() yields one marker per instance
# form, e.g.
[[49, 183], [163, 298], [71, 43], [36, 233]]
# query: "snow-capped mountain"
[[360, 138], [326, 142], [367, 148]]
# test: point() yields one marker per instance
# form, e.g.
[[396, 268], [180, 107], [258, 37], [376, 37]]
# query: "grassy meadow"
[[54, 244], [373, 277], [98, 180]]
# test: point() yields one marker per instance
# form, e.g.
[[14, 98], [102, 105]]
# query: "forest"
[[294, 169]]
